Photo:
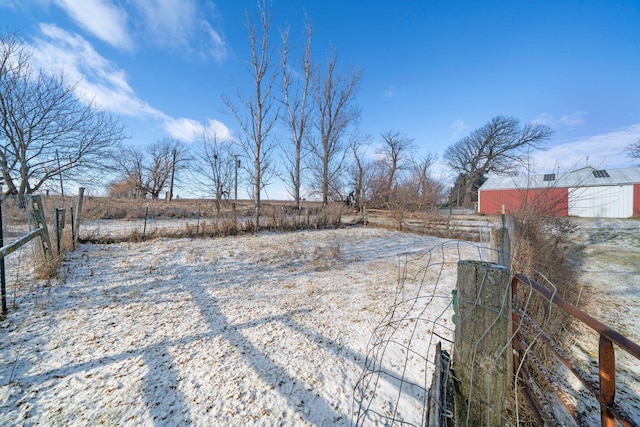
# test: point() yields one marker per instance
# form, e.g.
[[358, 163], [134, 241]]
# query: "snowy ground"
[[610, 273], [269, 329], [260, 330]]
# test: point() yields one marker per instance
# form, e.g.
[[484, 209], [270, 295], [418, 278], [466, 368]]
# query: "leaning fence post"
[[482, 358], [39, 221], [58, 231], [76, 230]]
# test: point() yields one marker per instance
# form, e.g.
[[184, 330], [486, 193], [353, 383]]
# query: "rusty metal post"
[[607, 363]]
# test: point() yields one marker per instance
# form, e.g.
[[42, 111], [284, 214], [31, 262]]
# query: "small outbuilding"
[[586, 192]]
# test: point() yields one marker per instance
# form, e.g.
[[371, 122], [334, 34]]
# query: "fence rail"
[[605, 391], [10, 248], [38, 221]]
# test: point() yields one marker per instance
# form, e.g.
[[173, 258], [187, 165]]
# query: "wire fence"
[[19, 268], [395, 387]]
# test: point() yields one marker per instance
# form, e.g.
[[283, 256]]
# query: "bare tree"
[[297, 107], [166, 156], [258, 113], [150, 170], [425, 189], [633, 150], [131, 162], [45, 129], [359, 170], [335, 110], [215, 166], [497, 147], [393, 156]]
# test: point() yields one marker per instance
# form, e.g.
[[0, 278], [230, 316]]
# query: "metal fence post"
[[3, 282]]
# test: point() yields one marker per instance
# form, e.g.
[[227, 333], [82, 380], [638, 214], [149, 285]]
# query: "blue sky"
[[435, 70]]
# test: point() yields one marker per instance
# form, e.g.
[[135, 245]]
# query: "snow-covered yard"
[[269, 329]]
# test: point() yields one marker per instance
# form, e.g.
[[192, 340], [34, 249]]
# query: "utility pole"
[[173, 172]]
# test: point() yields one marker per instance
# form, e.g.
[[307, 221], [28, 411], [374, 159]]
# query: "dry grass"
[[97, 208], [542, 251], [227, 222], [467, 228]]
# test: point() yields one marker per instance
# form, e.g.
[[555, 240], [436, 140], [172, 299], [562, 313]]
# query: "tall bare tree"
[[335, 110], [500, 146], [257, 114], [46, 130], [296, 94]]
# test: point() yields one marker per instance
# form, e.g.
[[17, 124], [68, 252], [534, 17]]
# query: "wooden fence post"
[[482, 357], [76, 225], [39, 221]]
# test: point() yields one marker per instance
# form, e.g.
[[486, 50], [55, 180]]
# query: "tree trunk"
[[257, 188]]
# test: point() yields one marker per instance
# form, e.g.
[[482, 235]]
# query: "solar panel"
[[601, 174], [549, 177]]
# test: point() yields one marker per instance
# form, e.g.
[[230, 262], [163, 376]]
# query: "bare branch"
[[45, 129], [497, 147], [261, 114]]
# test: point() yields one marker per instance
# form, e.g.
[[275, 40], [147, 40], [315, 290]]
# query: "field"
[[266, 329]]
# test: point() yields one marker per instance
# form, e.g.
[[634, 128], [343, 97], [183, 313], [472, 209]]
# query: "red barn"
[[586, 192]]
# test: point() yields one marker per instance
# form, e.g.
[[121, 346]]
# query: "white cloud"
[[543, 119], [390, 92], [180, 25], [183, 26], [218, 48], [189, 130], [220, 130], [97, 78], [604, 150], [184, 129], [574, 119], [100, 18], [458, 127], [104, 83], [167, 21]]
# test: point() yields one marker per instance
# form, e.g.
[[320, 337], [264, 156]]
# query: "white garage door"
[[601, 202]]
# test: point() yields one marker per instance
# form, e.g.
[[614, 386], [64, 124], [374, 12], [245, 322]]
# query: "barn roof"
[[583, 177]]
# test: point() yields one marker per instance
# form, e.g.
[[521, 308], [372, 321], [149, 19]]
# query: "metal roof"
[[583, 177]]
